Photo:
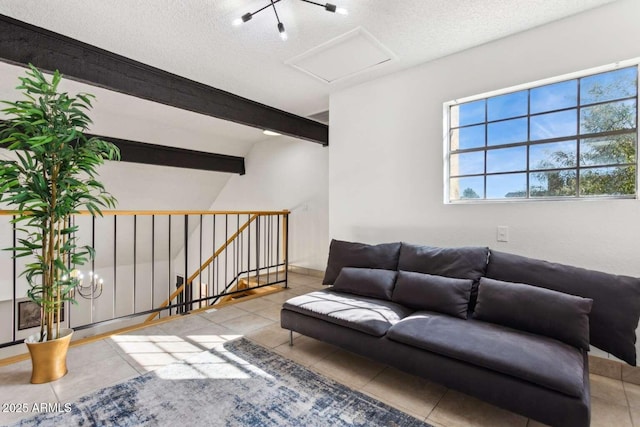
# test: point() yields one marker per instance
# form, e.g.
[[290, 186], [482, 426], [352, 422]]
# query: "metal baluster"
[[135, 269], [115, 263], [278, 248], [170, 279], [216, 270], [226, 237], [185, 290], [199, 266], [14, 278], [153, 258], [236, 246], [285, 241], [248, 245], [258, 244]]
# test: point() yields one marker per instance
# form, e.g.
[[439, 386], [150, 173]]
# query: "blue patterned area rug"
[[236, 384]]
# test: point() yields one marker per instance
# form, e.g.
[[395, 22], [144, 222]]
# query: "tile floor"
[[121, 357]]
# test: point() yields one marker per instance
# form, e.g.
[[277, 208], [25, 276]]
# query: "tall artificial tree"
[[51, 177]]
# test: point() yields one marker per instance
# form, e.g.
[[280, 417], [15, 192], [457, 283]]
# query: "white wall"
[[139, 186], [149, 187], [286, 173], [386, 152]]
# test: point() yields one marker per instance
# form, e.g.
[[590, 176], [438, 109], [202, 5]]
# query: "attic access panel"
[[349, 54]]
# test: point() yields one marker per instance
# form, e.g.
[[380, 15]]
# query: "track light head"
[[246, 17], [282, 31], [333, 8]]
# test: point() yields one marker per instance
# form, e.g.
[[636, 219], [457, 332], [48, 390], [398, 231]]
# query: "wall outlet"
[[503, 233]]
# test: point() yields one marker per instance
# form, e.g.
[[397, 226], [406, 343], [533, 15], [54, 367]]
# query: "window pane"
[[467, 163], [608, 151], [468, 114], [608, 117], [554, 125], [554, 97], [507, 185], [507, 132], [609, 86], [466, 188], [468, 137], [568, 139], [506, 106], [553, 155], [507, 159], [611, 181], [552, 184]]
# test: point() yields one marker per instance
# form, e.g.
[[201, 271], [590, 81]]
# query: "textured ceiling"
[[195, 39]]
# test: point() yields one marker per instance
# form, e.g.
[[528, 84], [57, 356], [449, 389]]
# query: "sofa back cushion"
[[616, 299], [433, 293], [537, 310], [368, 282], [459, 263], [351, 254]]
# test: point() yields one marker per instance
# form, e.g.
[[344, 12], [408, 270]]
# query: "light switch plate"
[[503, 233]]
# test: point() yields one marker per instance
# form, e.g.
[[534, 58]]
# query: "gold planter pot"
[[49, 358]]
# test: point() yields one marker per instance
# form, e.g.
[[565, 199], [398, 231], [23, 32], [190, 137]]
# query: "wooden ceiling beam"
[[162, 155], [23, 43]]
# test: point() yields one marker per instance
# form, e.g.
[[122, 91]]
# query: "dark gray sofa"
[[510, 330]]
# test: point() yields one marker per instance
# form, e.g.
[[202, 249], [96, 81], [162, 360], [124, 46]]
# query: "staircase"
[[257, 251], [247, 286]]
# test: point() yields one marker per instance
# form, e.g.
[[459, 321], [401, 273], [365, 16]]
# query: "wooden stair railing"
[[191, 278]]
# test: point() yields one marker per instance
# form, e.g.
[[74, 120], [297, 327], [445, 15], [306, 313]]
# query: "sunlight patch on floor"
[[207, 342], [199, 356]]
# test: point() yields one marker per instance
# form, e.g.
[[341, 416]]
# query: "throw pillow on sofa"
[[616, 299], [461, 263], [537, 310], [433, 293], [368, 282], [351, 254]]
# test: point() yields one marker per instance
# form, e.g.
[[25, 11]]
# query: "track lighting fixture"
[[272, 3]]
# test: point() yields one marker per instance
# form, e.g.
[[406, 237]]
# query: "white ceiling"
[[195, 39]]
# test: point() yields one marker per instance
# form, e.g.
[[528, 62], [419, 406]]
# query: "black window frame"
[[578, 137]]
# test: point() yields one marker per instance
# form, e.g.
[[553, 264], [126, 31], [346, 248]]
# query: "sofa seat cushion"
[[537, 359], [368, 315]]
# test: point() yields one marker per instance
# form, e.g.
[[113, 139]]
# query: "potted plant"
[[52, 176]]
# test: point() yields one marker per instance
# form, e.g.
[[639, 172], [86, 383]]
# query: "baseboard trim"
[[306, 271], [614, 369]]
